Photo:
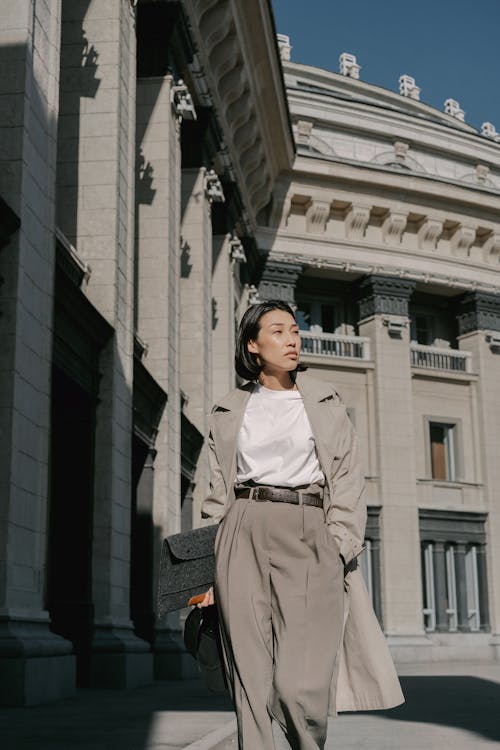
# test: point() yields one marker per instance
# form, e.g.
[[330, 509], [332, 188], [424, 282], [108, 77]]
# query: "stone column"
[[223, 323], [278, 280], [35, 665], [96, 210], [383, 306], [478, 316], [196, 297], [460, 577], [439, 563], [158, 267]]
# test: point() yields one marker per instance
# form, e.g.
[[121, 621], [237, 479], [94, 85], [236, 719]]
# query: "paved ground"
[[447, 706]]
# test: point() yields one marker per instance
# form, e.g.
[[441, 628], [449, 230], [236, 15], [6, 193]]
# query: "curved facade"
[[386, 235]]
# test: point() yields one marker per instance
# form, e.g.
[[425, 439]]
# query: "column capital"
[[379, 295], [278, 280], [478, 311]]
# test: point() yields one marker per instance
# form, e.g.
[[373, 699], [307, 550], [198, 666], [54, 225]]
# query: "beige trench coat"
[[364, 677]]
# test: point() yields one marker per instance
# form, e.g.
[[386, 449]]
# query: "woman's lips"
[[291, 354]]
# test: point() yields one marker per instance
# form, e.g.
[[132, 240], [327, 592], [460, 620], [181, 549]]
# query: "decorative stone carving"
[[482, 172], [348, 65], [478, 311], [236, 250], [452, 107], [304, 130], [182, 101], [401, 151], [317, 215], [490, 131], [284, 47], [429, 233], [213, 188], [356, 221], [278, 280], [408, 87], [393, 227], [461, 241], [253, 295], [491, 249], [384, 295]]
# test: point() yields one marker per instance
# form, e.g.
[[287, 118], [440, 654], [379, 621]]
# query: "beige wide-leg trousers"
[[279, 593]]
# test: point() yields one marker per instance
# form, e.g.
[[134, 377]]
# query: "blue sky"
[[450, 47]]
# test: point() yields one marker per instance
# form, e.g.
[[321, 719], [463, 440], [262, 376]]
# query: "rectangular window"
[[422, 329], [428, 585], [442, 441], [472, 588]]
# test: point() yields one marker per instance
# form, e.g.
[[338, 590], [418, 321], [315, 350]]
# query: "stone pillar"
[[383, 304], [278, 280], [460, 577], [478, 316], [482, 572], [158, 267], [223, 322], [35, 665], [439, 563], [96, 184], [196, 297]]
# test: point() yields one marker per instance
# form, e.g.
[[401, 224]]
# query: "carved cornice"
[[461, 241], [478, 311], [317, 215], [428, 234], [253, 115], [356, 221], [393, 227], [384, 295], [397, 272], [491, 249]]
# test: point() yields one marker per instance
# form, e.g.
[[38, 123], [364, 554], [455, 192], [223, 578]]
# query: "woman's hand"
[[209, 598]]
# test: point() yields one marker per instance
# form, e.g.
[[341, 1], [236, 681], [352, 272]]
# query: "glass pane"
[[303, 315], [328, 318], [438, 453]]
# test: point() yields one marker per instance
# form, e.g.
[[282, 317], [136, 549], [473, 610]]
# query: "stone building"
[[139, 145], [386, 235], [151, 187]]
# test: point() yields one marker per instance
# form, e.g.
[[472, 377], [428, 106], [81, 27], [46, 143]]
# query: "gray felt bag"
[[186, 567]]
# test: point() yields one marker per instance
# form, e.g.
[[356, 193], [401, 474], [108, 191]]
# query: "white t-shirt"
[[275, 444]]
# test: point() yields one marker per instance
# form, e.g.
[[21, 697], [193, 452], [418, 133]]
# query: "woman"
[[300, 639]]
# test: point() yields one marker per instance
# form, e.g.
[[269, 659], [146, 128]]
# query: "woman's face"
[[277, 345]]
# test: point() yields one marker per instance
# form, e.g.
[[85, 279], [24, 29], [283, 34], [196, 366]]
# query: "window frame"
[[457, 458]]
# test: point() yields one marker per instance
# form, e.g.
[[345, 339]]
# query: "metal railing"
[[335, 345], [438, 358]]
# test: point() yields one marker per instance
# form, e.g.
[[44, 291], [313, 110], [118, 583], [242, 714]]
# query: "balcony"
[[335, 345], [436, 358]]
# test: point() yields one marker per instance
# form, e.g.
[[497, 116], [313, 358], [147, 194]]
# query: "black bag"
[[202, 640], [186, 567]]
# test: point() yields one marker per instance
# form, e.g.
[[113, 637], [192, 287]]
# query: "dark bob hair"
[[244, 361]]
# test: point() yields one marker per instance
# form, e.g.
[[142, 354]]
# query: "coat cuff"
[[349, 546]]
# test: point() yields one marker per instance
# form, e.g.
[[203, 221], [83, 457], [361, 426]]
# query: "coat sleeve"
[[346, 514], [214, 504]]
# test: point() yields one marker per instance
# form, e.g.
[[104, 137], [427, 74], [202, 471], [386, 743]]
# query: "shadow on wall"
[[458, 701]]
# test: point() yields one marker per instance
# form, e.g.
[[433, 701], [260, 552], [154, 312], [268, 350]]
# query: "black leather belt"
[[279, 495]]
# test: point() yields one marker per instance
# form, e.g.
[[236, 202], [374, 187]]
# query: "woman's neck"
[[277, 381]]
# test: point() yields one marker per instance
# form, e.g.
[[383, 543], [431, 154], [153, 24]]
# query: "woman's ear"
[[252, 347]]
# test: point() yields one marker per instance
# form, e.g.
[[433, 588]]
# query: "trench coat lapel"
[[324, 417], [225, 423]]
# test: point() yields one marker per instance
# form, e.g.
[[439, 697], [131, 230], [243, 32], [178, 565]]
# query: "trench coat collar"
[[229, 411], [312, 389]]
